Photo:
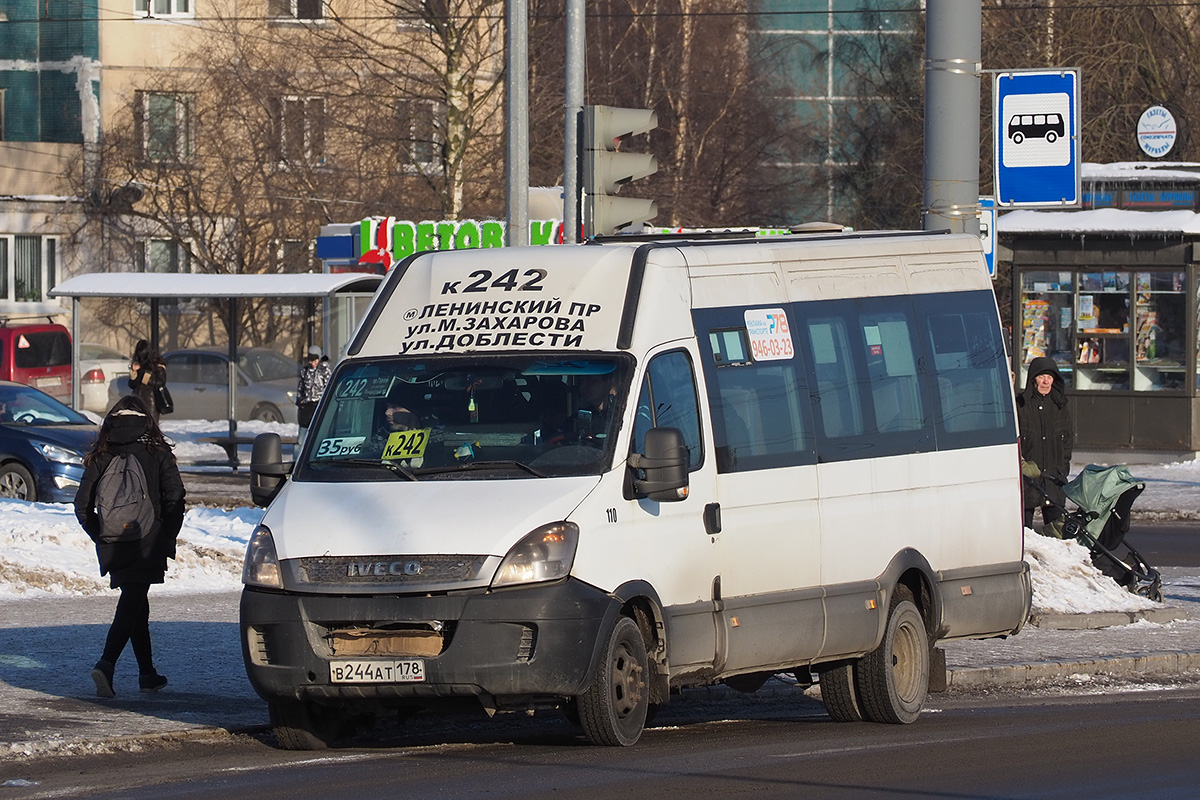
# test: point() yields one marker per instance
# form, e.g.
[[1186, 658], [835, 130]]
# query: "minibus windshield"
[[524, 417]]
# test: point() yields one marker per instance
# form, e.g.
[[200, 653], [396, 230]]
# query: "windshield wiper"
[[471, 465], [391, 466]]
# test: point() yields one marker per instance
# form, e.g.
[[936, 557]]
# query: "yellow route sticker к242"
[[406, 444]]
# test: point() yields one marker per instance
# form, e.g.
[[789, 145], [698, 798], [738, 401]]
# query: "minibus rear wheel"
[[838, 691], [613, 709], [893, 679], [299, 725]]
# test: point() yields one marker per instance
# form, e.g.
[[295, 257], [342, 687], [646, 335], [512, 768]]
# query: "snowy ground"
[[43, 551]]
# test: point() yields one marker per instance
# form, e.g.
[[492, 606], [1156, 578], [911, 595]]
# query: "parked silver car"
[[199, 379], [98, 366]]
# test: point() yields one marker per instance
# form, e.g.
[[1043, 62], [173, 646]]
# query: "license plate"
[[405, 670], [49, 381]]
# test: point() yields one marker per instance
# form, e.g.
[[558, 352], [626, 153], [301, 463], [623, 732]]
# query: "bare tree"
[[272, 131], [1130, 58], [693, 62]]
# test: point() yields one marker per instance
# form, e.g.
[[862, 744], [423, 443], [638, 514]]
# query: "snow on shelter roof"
[[1115, 221], [157, 284], [1100, 220]]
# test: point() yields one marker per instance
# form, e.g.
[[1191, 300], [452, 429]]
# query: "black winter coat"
[[144, 561], [145, 381], [1047, 432]]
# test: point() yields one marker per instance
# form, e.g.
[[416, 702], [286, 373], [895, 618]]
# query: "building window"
[[294, 255], [166, 126], [162, 8], [416, 15], [164, 255], [302, 129], [297, 9], [28, 267], [420, 126]]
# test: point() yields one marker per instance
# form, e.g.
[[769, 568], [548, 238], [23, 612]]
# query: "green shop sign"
[[383, 240]]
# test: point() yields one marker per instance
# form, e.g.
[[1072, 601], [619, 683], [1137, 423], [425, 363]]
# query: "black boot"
[[102, 674], [151, 681]]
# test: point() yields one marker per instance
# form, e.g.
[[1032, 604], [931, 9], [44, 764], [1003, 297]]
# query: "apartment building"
[[218, 135]]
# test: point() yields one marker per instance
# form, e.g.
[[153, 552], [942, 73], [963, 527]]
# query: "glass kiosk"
[[1120, 337]]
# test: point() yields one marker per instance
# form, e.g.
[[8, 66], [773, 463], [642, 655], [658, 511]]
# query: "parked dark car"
[[42, 444], [199, 384]]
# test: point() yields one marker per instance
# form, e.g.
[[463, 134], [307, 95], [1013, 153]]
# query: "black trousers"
[[131, 623], [1049, 514]]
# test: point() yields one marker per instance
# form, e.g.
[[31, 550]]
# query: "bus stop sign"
[[1036, 115]]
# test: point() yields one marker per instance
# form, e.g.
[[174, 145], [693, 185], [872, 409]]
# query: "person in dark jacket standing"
[[1047, 436], [147, 374], [314, 377], [132, 566]]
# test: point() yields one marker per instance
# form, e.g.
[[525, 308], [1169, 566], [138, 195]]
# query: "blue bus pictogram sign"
[[1037, 138]]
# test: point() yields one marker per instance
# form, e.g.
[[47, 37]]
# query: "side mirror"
[[267, 470], [665, 465]]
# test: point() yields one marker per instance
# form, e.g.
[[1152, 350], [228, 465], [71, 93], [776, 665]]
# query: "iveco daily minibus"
[[587, 477]]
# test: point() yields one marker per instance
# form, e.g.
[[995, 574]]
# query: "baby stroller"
[[1104, 496]]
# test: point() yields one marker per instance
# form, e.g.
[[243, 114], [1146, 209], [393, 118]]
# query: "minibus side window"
[[759, 408], [970, 372], [868, 377], [668, 400], [838, 403], [892, 371]]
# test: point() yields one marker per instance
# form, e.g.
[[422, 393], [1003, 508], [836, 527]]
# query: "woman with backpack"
[[133, 519]]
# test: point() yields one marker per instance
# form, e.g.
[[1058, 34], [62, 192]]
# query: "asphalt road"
[[1166, 544], [1133, 744]]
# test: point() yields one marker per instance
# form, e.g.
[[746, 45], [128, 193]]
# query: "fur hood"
[[1058, 392]]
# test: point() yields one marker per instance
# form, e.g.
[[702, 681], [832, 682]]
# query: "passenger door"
[[764, 435]]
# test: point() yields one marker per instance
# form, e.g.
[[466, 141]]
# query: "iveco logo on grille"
[[380, 569]]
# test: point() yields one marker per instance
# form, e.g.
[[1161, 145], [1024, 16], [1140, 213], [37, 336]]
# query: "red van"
[[38, 356]]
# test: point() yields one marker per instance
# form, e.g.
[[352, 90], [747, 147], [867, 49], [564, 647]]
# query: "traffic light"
[[606, 170]]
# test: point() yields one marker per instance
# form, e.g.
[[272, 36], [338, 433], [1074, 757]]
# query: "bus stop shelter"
[[341, 296]]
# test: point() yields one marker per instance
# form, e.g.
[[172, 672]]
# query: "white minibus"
[[588, 477]]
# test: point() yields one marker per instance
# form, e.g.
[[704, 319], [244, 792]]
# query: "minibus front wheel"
[[613, 709], [301, 725]]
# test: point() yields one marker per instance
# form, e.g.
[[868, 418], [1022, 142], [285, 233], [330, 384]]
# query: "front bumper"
[[57, 483], [513, 646]]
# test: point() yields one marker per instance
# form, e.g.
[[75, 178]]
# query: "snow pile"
[[44, 551], [1066, 582]]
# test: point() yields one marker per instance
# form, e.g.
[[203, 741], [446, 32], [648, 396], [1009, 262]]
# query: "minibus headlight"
[[262, 565], [545, 554]]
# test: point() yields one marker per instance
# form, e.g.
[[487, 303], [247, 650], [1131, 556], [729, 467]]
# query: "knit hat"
[[314, 352]]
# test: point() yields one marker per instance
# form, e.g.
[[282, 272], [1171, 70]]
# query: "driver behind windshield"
[[396, 417], [598, 398]]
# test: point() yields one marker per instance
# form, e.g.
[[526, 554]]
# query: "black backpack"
[[123, 502]]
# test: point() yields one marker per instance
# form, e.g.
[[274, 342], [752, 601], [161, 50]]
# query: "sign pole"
[[952, 73]]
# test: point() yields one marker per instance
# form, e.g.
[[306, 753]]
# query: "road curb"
[[1106, 619], [1016, 675]]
